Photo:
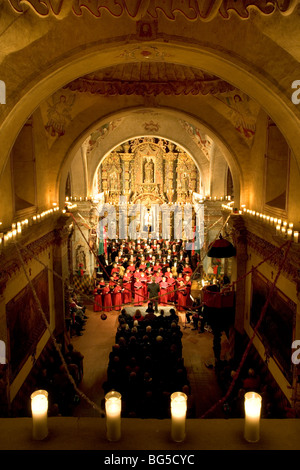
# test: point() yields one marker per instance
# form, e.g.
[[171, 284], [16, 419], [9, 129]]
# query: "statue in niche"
[[149, 171], [185, 182], [114, 181]]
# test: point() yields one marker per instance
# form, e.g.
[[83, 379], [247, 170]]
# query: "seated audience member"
[[138, 316]]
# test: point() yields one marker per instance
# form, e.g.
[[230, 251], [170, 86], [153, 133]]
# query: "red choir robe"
[[131, 267], [171, 289], [181, 298], [142, 266], [187, 271], [149, 272], [163, 293], [137, 275], [156, 267], [112, 283], [98, 299], [167, 273], [106, 299], [144, 281], [117, 297], [127, 289], [115, 270], [138, 293], [158, 279]]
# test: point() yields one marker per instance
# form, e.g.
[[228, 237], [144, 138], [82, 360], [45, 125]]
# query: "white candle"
[[296, 237], [113, 407], [252, 416], [178, 412], [289, 233], [39, 408]]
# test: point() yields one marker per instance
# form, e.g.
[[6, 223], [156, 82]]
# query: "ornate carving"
[[148, 166], [138, 9]]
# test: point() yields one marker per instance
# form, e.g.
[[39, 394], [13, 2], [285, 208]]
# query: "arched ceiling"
[[207, 63]]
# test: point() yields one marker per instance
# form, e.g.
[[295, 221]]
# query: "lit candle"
[[296, 237], [289, 233], [39, 408], [252, 416], [291, 225], [113, 407], [178, 412], [278, 228]]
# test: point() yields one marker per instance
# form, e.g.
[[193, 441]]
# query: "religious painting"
[[202, 141], [25, 322], [146, 29], [59, 113], [241, 111], [277, 326]]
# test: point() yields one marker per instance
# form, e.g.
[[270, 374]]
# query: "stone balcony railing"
[[148, 435]]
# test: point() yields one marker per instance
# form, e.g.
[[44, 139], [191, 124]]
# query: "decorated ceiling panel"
[[192, 10]]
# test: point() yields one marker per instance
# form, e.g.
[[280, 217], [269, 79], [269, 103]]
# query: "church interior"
[[156, 146]]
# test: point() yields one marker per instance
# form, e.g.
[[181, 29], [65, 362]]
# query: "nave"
[[96, 343]]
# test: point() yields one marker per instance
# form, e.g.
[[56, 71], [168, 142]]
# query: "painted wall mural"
[[59, 113], [241, 111], [201, 140], [99, 134], [25, 323]]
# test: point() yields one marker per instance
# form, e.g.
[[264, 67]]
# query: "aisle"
[[96, 344]]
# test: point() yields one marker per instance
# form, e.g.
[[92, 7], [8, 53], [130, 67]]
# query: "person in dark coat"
[[153, 289]]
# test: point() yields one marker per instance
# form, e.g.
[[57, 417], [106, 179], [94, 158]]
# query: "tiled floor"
[[96, 344]]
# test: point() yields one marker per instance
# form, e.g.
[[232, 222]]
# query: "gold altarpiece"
[[149, 172]]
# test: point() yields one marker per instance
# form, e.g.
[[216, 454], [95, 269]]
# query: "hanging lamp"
[[221, 248]]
